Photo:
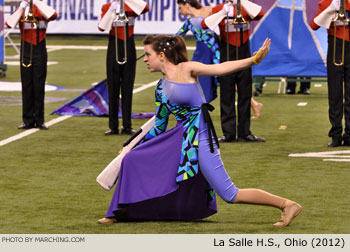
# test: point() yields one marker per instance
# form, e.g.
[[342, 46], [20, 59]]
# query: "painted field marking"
[[338, 156], [302, 104], [318, 85], [62, 118], [9, 86], [337, 160], [31, 131]]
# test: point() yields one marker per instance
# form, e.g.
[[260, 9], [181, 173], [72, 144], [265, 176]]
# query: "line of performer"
[[175, 174]]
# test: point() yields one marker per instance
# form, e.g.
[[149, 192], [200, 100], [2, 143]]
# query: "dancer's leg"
[[257, 108], [290, 209], [213, 170], [259, 197]]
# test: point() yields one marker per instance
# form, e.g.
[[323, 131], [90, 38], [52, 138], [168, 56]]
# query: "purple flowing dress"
[[161, 178]]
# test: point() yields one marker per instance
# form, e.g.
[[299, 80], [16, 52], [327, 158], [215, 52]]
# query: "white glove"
[[228, 9], [23, 5], [115, 6], [335, 5]]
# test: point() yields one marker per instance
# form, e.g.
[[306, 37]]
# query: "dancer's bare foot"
[[290, 210], [107, 221], [257, 109]]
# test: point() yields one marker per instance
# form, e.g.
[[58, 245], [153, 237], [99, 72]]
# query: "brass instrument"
[[121, 18], [238, 20], [341, 16], [33, 22]]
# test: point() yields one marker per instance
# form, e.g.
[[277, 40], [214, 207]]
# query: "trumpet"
[[121, 18], [238, 20], [29, 18], [341, 16]]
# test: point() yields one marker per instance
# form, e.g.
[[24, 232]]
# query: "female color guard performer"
[[207, 47], [173, 174]]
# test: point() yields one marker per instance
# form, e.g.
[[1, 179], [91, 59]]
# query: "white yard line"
[[334, 156], [145, 87], [18, 136], [302, 104], [337, 160], [62, 118], [31, 131]]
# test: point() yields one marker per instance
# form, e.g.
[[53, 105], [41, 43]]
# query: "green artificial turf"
[[48, 182]]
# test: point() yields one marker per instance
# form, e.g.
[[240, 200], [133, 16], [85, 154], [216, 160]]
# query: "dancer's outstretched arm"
[[195, 69]]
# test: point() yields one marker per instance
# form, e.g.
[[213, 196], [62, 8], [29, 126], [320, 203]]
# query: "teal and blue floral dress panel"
[[189, 116], [204, 35]]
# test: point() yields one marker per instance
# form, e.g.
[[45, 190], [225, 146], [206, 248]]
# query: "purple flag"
[[93, 102]]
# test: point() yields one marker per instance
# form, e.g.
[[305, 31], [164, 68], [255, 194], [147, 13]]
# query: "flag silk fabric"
[[296, 50], [93, 102]]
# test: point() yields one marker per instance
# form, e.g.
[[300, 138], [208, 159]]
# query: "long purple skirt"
[[147, 187]]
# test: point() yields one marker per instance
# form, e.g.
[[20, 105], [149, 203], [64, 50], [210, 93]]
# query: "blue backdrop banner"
[[296, 50]]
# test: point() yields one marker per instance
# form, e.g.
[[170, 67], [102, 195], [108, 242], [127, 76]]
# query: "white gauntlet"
[[13, 19], [136, 5], [252, 9], [335, 5], [115, 6], [45, 10], [324, 19], [228, 9], [107, 20]]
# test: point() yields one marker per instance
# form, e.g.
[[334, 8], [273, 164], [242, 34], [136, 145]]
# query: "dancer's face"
[[152, 59], [183, 9]]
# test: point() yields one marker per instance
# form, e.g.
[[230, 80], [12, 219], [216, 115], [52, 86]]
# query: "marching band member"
[[336, 75], [120, 76], [33, 74], [237, 37]]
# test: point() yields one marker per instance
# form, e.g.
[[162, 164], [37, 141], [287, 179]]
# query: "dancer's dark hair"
[[193, 3], [173, 47]]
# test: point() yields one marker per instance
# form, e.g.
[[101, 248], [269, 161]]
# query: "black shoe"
[[289, 91], [346, 142], [111, 132], [224, 139], [251, 138], [335, 143], [305, 91], [128, 131], [42, 126], [25, 126], [257, 91]]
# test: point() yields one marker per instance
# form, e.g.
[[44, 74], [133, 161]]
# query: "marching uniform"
[[121, 76], [336, 75], [33, 77], [237, 37]]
